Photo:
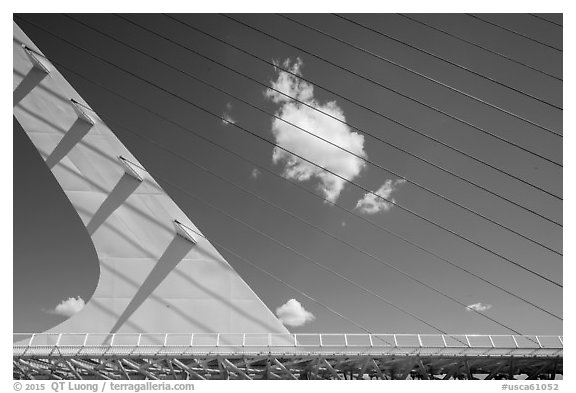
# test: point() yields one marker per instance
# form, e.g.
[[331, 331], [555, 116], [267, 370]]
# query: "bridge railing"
[[135, 344]]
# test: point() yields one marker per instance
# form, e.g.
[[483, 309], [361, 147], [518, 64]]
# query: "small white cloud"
[[480, 307], [308, 145], [371, 204], [343, 224], [68, 307], [255, 173], [293, 314], [226, 117]]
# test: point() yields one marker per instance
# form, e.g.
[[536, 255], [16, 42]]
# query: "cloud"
[[308, 146], [226, 117], [371, 204], [293, 314], [68, 307], [255, 173], [480, 307]]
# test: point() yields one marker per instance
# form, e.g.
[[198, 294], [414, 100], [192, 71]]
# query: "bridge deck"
[[171, 344], [286, 356]]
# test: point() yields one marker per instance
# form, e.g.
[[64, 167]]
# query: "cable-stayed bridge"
[[156, 266]]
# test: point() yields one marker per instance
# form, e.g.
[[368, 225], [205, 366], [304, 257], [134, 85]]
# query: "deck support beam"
[[282, 366]]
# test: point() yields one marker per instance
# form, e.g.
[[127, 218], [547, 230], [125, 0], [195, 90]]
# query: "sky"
[[63, 264]]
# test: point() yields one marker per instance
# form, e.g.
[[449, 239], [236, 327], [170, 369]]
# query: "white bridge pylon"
[[157, 272]]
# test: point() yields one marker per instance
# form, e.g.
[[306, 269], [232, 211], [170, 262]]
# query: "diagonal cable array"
[[412, 129], [276, 278], [428, 78], [316, 228], [338, 274], [513, 32], [286, 284], [307, 223], [450, 62], [318, 137], [413, 19], [397, 92], [504, 258], [305, 257], [190, 131], [546, 20], [289, 248], [351, 125]]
